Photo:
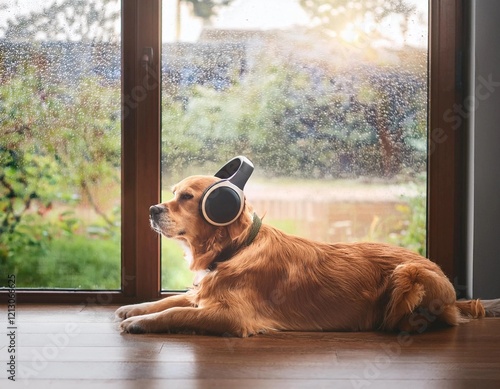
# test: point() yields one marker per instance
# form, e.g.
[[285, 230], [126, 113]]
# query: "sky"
[[280, 14], [241, 14]]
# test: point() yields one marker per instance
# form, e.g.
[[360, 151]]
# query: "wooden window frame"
[[140, 163], [141, 107], [446, 196]]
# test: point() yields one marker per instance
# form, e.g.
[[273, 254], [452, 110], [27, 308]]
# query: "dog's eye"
[[186, 196]]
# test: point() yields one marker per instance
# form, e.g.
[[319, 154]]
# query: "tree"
[[70, 20], [355, 21], [205, 9], [300, 120], [84, 20]]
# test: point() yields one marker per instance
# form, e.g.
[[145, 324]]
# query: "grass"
[[72, 262], [77, 262]]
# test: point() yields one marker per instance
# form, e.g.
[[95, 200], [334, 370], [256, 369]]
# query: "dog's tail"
[[473, 309], [477, 309]]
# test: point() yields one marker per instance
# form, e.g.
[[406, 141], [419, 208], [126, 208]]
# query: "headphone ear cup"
[[222, 203]]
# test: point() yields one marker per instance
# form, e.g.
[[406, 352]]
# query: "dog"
[[252, 278]]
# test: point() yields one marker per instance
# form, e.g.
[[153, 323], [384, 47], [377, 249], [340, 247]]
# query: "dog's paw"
[[134, 325], [130, 310]]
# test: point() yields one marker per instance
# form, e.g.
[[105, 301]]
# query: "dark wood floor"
[[74, 347]]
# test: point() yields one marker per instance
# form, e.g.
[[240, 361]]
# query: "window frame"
[[141, 129], [140, 163], [447, 183]]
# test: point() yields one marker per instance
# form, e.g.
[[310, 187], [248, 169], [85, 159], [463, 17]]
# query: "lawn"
[[75, 262]]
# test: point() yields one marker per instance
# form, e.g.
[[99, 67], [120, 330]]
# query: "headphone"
[[221, 203]]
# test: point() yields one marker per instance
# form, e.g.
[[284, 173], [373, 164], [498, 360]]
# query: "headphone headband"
[[237, 171]]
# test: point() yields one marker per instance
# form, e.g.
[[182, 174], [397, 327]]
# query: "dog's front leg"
[[199, 320], [180, 300]]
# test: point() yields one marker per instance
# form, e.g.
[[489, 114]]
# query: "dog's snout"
[[155, 210]]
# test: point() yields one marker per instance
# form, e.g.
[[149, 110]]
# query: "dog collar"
[[256, 224], [230, 252]]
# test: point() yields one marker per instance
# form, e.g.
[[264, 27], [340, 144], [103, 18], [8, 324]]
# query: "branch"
[[6, 226], [94, 204]]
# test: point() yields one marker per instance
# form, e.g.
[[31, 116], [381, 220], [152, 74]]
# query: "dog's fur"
[[284, 282]]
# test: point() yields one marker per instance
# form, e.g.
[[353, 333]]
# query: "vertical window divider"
[[141, 27]]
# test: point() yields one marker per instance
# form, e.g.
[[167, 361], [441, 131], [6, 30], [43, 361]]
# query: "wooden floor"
[[74, 347]]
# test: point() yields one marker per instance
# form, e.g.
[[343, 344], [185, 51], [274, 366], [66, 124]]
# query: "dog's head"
[[181, 219]]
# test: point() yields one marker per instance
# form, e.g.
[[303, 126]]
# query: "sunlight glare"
[[350, 34]]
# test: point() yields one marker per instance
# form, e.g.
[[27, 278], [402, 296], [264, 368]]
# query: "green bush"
[[58, 145], [409, 228], [413, 234], [72, 262]]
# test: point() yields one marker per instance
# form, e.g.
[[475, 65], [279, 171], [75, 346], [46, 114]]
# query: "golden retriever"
[[252, 278]]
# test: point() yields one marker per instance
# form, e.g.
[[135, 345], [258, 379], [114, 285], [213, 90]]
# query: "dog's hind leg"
[[406, 295], [421, 295]]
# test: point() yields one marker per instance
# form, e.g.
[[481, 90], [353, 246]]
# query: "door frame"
[[141, 112]]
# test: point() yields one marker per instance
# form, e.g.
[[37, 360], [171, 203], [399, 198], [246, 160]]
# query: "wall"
[[484, 212]]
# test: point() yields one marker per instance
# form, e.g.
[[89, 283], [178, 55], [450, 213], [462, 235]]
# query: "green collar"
[[256, 224]]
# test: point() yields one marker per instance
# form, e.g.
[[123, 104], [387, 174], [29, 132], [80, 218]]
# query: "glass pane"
[[60, 143], [328, 98]]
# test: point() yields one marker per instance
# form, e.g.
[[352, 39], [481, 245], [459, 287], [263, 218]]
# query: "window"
[[60, 144], [141, 158], [327, 98]]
